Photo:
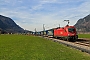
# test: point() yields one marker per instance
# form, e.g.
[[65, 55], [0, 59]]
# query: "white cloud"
[[48, 12]]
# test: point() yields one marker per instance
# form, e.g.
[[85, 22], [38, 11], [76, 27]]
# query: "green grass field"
[[84, 36], [23, 47]]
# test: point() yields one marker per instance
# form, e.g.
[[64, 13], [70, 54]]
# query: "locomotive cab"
[[72, 34]]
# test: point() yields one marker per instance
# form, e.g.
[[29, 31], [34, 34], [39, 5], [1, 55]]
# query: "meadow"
[[24, 47]]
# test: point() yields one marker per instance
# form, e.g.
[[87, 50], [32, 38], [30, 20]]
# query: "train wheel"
[[74, 40], [64, 39], [68, 39]]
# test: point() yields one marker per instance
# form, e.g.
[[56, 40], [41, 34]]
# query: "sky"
[[31, 14]]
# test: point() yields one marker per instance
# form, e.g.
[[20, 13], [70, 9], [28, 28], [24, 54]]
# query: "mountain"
[[9, 26], [83, 25]]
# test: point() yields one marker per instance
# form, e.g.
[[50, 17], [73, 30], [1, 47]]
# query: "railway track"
[[84, 42], [80, 41], [83, 45]]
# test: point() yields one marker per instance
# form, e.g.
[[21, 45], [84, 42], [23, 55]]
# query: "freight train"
[[68, 33]]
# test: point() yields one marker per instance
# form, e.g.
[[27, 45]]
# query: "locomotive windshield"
[[71, 29]]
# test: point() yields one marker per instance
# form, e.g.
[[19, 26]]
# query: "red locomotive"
[[66, 33]]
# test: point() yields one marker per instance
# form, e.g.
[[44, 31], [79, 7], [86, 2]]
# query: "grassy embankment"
[[84, 36], [21, 47]]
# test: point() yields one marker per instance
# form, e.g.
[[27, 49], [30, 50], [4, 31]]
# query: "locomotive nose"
[[71, 34]]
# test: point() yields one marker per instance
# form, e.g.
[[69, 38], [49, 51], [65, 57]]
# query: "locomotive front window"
[[71, 29]]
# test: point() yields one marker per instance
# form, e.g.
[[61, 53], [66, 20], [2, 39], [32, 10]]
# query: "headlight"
[[68, 34]]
